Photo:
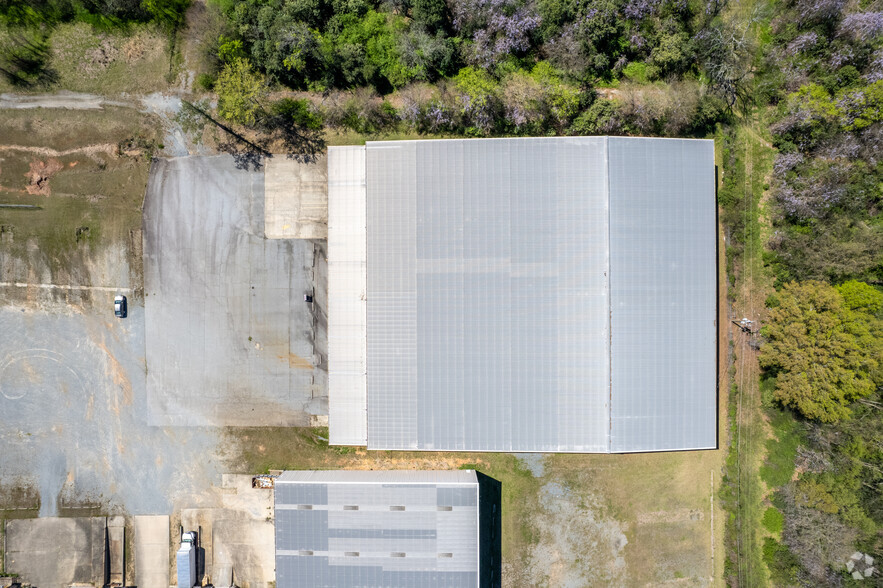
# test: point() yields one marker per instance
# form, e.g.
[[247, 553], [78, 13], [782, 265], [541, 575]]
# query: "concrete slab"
[[74, 430], [50, 552], [296, 199], [238, 537], [152, 551], [99, 551], [230, 340], [116, 546]]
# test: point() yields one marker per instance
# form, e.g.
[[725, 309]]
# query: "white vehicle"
[[120, 308]]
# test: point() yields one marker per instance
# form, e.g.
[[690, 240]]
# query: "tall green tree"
[[240, 92], [825, 346]]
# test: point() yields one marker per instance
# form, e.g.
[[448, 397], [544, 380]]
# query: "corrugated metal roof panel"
[[347, 279], [394, 538], [487, 295], [663, 293]]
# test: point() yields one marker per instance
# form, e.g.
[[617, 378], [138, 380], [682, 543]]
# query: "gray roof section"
[[487, 295], [546, 294], [663, 292], [377, 529]]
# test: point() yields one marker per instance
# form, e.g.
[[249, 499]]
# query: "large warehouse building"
[[428, 529], [547, 294]]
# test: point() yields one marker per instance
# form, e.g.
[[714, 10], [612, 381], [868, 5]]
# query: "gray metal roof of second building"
[[375, 528], [547, 294]]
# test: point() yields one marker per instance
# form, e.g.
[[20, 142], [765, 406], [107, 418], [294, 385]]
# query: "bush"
[[824, 354], [778, 467], [773, 520], [638, 72], [361, 111], [603, 117], [299, 113], [782, 564], [205, 81]]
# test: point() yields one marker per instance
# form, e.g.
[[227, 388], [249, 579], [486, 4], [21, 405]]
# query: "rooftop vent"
[[351, 553], [350, 507], [446, 555], [304, 552], [304, 507], [396, 508], [396, 554], [444, 508]]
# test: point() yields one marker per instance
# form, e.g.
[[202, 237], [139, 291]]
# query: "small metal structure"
[[745, 325]]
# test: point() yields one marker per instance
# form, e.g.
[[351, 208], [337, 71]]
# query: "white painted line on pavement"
[[62, 287]]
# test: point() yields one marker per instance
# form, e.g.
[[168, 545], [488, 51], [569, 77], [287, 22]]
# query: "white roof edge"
[[347, 306], [429, 477]]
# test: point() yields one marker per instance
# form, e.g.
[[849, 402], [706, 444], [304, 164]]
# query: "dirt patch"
[[670, 516], [134, 49], [39, 174], [100, 57], [578, 546], [105, 148]]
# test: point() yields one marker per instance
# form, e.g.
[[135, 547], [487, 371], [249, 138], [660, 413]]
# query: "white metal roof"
[[347, 278]]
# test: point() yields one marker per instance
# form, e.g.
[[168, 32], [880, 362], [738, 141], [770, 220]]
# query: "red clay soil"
[[39, 174]]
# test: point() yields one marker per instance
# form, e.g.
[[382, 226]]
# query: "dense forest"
[[804, 76], [479, 67]]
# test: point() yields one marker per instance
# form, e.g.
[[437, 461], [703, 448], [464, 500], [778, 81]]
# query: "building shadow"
[[490, 530]]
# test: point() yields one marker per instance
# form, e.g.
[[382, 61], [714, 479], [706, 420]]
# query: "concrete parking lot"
[[104, 416], [230, 339], [90, 403], [74, 428]]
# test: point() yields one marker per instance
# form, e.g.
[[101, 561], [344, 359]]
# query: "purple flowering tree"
[[497, 27], [812, 194], [802, 43], [814, 11], [862, 26], [874, 72]]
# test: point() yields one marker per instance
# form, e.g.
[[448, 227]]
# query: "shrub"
[[637, 72], [825, 355], [477, 98], [778, 467], [361, 110], [773, 520], [603, 117], [205, 81], [300, 112], [782, 564]]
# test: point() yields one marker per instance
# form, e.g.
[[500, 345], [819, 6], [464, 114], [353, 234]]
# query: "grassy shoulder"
[[745, 158]]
